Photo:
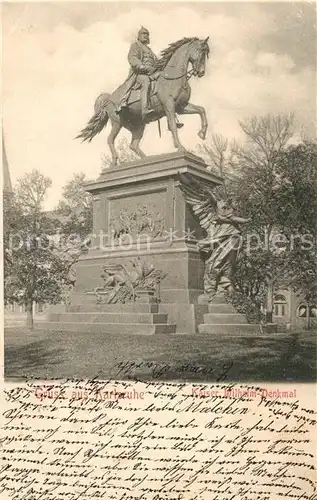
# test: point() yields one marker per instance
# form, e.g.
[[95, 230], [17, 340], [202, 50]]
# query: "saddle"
[[133, 94]]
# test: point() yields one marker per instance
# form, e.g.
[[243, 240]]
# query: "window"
[[313, 312], [279, 305], [40, 307], [302, 311], [279, 309], [280, 298]]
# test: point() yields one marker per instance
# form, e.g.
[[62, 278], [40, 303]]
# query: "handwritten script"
[[154, 441]]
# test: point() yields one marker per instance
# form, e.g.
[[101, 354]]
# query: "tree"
[[75, 198], [250, 180], [76, 207], [255, 194], [274, 184], [218, 153], [297, 198], [296, 169], [35, 269], [31, 191], [11, 224]]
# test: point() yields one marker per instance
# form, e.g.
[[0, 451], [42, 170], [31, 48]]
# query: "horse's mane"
[[166, 54]]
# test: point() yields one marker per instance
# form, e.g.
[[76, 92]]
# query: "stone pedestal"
[[139, 211], [140, 215]]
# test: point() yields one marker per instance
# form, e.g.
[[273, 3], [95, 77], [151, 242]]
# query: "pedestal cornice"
[[153, 168]]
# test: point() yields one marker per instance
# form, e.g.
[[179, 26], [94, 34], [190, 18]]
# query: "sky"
[[57, 57]]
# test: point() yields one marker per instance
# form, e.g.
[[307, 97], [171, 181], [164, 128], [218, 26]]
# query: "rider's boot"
[[144, 98], [178, 124]]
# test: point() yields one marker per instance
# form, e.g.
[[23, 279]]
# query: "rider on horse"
[[143, 70], [170, 95]]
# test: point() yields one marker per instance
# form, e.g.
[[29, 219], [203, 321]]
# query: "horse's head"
[[198, 52]]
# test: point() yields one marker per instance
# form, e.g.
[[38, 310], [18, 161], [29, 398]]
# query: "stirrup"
[[147, 112]]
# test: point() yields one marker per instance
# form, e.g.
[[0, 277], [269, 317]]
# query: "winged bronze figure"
[[223, 234]]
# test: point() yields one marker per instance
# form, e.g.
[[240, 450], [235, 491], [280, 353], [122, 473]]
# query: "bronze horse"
[[170, 95]]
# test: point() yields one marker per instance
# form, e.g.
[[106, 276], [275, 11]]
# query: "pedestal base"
[[139, 317], [222, 318]]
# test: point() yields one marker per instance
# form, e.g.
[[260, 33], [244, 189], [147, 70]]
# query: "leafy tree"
[[75, 198], [31, 191], [35, 269], [255, 194], [274, 184], [251, 181], [75, 207], [11, 224], [276, 188], [297, 199], [296, 169]]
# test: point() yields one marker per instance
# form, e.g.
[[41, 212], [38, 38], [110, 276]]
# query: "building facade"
[[291, 311]]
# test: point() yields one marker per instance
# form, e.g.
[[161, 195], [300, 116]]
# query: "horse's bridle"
[[188, 75]]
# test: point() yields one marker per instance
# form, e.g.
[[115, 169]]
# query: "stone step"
[[218, 300], [229, 328], [111, 328], [114, 308], [225, 318], [108, 317], [221, 308]]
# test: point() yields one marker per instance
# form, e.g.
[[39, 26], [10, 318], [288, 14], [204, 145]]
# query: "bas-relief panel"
[[138, 214]]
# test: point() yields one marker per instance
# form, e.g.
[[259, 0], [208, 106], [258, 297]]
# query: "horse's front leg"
[[193, 109], [169, 108], [116, 127]]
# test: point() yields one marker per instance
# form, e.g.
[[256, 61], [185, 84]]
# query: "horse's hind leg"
[[116, 127], [137, 135]]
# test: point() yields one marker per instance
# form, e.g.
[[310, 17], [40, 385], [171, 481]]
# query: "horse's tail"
[[96, 123]]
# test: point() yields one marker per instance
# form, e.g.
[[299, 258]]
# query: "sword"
[[159, 128]]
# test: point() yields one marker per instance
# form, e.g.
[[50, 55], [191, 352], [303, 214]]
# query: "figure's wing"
[[200, 197]]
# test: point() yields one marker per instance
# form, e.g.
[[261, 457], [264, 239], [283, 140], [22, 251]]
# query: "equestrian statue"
[[155, 87]]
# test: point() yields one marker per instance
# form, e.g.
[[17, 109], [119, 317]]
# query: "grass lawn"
[[196, 358]]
